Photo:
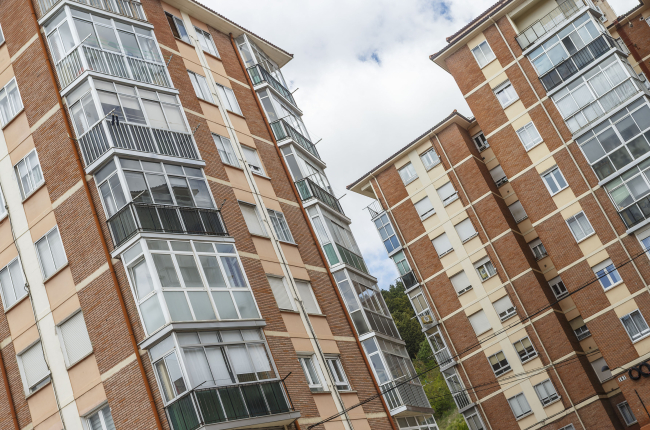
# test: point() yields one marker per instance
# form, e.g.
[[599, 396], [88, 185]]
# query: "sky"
[[362, 76]]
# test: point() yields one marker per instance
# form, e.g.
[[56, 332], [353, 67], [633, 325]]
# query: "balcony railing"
[[202, 407], [258, 75], [128, 8], [84, 57], [443, 357], [375, 209], [352, 259], [408, 280], [104, 135], [142, 217], [308, 189], [548, 22], [578, 61], [282, 130]]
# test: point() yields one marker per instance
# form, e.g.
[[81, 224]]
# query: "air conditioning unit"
[[426, 319]]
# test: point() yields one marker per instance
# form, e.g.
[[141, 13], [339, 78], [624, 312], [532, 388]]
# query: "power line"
[[537, 312]]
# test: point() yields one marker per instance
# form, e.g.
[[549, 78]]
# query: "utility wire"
[[537, 312]]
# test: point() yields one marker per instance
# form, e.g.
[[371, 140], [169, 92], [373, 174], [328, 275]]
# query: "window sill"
[[410, 181], [483, 332], [260, 174], [504, 373], [14, 117], [211, 103], [48, 383], [232, 165], [432, 167], [41, 185], [287, 242], [517, 221], [559, 191], [487, 64], [508, 317], [447, 203], [182, 41], [80, 360], [534, 146], [585, 238], [510, 103], [488, 278], [470, 238], [528, 359], [447, 252], [641, 338], [19, 301], [259, 235], [427, 215], [236, 114], [465, 290], [59, 270], [550, 403], [612, 286], [523, 416], [209, 54]]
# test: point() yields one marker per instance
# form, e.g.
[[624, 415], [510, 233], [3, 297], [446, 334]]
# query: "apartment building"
[[521, 234], [158, 265]]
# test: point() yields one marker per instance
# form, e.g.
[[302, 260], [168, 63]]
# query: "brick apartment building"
[[159, 267], [521, 234]]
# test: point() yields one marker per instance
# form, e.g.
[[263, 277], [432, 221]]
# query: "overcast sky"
[[365, 82]]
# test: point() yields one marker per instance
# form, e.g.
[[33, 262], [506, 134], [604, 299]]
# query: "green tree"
[[400, 309]]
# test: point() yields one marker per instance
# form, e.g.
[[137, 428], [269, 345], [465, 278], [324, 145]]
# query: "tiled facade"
[[563, 241]]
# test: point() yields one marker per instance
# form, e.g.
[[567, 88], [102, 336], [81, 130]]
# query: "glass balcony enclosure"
[[80, 41], [458, 392], [283, 131], [129, 8], [183, 281], [302, 166], [421, 307], [210, 377], [549, 22], [145, 120], [276, 110], [630, 194], [439, 347]]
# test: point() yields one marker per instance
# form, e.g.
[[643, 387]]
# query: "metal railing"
[[308, 189], [144, 217], [352, 259], [104, 135], [408, 280], [548, 22], [282, 130], [578, 61], [128, 8], [375, 209], [205, 406], [84, 57], [258, 75]]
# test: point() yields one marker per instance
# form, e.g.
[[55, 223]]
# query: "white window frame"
[[410, 169], [515, 206], [555, 282], [642, 332], [338, 373], [609, 272], [29, 390], [2, 291], [59, 332], [313, 385], [463, 289], [433, 158], [260, 220], [474, 424], [503, 368], [208, 40], [543, 392], [178, 23], [428, 213], [528, 355], [538, 249], [485, 263], [506, 89], [624, 406], [481, 144], [485, 52], [198, 89], [551, 176], [16, 109], [517, 398], [38, 254], [498, 176], [3, 207], [287, 291], [451, 197], [226, 151], [575, 218], [99, 411], [2, 37], [312, 295], [534, 138], [27, 163], [228, 99], [484, 329], [510, 311], [280, 226], [442, 237], [470, 237], [255, 168]]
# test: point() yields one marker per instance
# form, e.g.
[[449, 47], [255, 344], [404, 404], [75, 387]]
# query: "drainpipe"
[[5, 381], [311, 230], [107, 254]]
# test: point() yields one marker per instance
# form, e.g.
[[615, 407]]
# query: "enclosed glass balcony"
[[258, 75], [549, 22], [282, 130], [308, 190], [128, 8]]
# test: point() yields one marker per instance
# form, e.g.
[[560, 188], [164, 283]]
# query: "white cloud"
[[365, 81]]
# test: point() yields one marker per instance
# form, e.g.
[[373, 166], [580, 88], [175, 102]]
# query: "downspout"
[[5, 381], [311, 230], [98, 225]]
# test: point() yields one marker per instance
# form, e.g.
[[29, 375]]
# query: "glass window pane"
[[182, 191], [159, 189], [233, 272], [89, 109], [130, 44], [197, 366], [154, 114], [152, 314], [177, 305], [107, 38], [142, 279], [174, 117], [189, 271], [212, 271], [225, 305], [166, 270], [132, 110], [241, 363], [246, 304], [201, 194], [219, 366]]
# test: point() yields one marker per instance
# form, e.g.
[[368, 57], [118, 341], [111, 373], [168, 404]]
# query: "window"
[[34, 370], [580, 226], [529, 136], [338, 374], [499, 363], [101, 420], [481, 142], [280, 226], [525, 349], [201, 87], [50, 252], [407, 173], [307, 297], [569, 427], [311, 374], [387, 233], [465, 230], [485, 269], [498, 176], [442, 245], [607, 274], [12, 283], [75, 341], [228, 99], [632, 186], [280, 292], [554, 180], [166, 184], [2, 37], [252, 219], [177, 27], [626, 411], [519, 405], [226, 152], [3, 207], [480, 322], [10, 102], [276, 109], [251, 157], [474, 422], [461, 282], [430, 159], [504, 308], [538, 249], [635, 325], [170, 375], [483, 54], [402, 264], [546, 392], [424, 208], [602, 369], [447, 193], [206, 42], [582, 332], [29, 174], [110, 188], [559, 290], [506, 94]]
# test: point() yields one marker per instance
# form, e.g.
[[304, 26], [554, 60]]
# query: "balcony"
[[308, 190], [104, 136], [257, 405], [128, 8], [352, 259], [258, 75], [578, 61], [87, 58], [408, 280], [406, 398], [548, 22], [375, 209], [282, 130], [141, 217]]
